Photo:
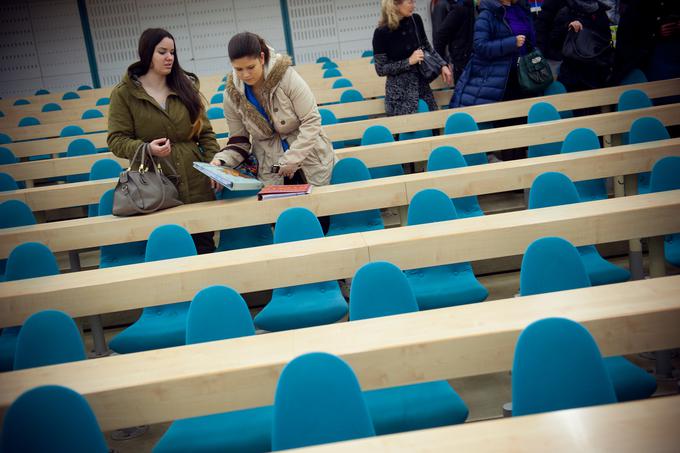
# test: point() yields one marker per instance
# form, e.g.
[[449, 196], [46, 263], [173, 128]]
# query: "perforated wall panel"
[[41, 46], [339, 29], [202, 29]]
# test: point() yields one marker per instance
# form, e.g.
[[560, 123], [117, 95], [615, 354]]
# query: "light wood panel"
[[647, 425], [275, 266], [168, 384], [477, 180]]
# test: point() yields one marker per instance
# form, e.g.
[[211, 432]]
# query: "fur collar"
[[273, 73]]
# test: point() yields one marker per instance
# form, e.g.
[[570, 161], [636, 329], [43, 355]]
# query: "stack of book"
[[228, 177], [282, 191]]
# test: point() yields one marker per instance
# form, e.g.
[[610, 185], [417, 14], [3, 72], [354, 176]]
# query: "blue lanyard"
[[250, 95]]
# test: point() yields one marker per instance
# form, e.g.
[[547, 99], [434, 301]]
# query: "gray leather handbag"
[[145, 189]]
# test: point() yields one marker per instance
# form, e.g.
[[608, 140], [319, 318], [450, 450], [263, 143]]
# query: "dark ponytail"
[[247, 44], [177, 80]]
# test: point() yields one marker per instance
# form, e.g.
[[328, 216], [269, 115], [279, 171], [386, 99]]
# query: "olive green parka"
[[135, 118]]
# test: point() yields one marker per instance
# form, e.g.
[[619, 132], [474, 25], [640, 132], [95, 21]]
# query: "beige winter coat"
[[291, 106]]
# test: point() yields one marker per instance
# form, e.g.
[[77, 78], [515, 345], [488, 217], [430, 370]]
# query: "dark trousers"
[[299, 178], [205, 242]]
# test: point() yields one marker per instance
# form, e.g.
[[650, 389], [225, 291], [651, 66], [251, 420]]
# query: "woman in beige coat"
[[272, 113]]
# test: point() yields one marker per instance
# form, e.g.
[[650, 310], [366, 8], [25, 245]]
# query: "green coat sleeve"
[[207, 140], [121, 139]]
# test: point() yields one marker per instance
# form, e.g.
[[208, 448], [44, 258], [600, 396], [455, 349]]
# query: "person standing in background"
[[454, 36], [397, 53], [438, 11]]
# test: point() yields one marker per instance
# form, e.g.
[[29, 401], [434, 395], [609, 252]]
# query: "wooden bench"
[[632, 426], [469, 340], [274, 266], [390, 153], [504, 176]]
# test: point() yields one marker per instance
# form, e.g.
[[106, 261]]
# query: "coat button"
[[283, 122], [276, 109]]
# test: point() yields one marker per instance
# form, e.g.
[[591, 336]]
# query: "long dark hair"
[[178, 80], [247, 44]]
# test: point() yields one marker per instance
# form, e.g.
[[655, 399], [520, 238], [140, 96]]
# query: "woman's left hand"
[[287, 171], [446, 75]]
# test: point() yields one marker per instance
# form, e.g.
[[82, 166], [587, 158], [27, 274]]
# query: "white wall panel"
[[41, 46], [339, 29]]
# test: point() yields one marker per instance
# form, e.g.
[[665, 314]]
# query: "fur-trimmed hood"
[[274, 71]]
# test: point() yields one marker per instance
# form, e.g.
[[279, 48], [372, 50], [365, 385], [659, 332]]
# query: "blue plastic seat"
[[342, 82], [50, 107], [79, 147], [666, 176], [557, 365], [69, 95], [632, 100], [14, 213], [71, 130], [103, 101], [84, 88], [91, 114], [346, 171], [646, 129], [556, 189], [583, 139], [447, 157], [243, 237], [330, 73], [558, 88], [7, 183], [102, 169], [352, 95], [162, 326], [118, 254], [550, 264], [28, 121], [22, 102], [463, 122], [7, 156], [381, 289], [374, 135], [318, 400], [448, 284], [634, 76], [329, 65], [5, 139], [27, 260], [221, 87], [51, 418], [305, 305], [328, 117], [323, 59], [48, 337], [217, 98], [538, 113], [422, 108], [224, 79], [42, 92], [215, 113], [219, 313], [366, 53]]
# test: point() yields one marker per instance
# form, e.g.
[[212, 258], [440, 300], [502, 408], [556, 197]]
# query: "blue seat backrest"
[[7, 182], [104, 169], [215, 113], [91, 113], [84, 88], [330, 73], [318, 400], [367, 53], [218, 313], [103, 101], [376, 134], [70, 95], [581, 139], [665, 174], [351, 95], [80, 147], [4, 139], [647, 129], [327, 117], [329, 65], [22, 102], [42, 92], [30, 260], [323, 59], [14, 213], [48, 337], [71, 130], [552, 189], [551, 264], [380, 289], [51, 107], [633, 99], [168, 242], [296, 224], [557, 365], [634, 76], [342, 82], [7, 156], [51, 418], [444, 158], [217, 98], [28, 121], [430, 205], [348, 170]]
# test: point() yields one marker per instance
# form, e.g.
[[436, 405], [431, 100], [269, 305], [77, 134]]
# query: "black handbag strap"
[[415, 27]]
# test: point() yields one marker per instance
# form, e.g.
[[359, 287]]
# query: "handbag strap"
[[415, 27]]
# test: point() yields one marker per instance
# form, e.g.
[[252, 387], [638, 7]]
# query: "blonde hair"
[[389, 15]]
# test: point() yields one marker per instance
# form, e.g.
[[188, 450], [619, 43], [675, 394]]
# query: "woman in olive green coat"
[[158, 103]]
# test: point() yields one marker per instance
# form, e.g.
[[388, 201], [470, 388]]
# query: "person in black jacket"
[[454, 36], [397, 51], [648, 38], [549, 38], [573, 18], [438, 11]]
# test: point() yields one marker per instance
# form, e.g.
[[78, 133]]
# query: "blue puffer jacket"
[[494, 53]]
